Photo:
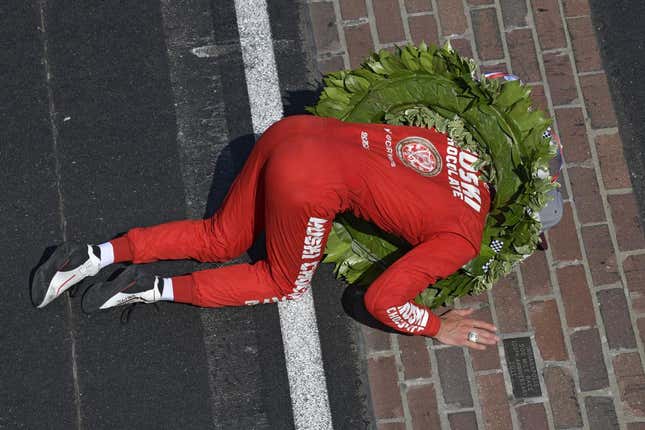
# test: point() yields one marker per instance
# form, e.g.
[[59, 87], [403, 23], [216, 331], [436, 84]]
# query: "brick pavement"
[[582, 302]]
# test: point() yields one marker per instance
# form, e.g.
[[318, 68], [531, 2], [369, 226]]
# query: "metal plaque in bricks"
[[521, 367]]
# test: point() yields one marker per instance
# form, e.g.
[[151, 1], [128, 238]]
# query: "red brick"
[[463, 47], [489, 358], [453, 376], [532, 416], [548, 331], [391, 426], [612, 162], [590, 362], [423, 28], [323, 21], [494, 402], [513, 13], [636, 426], [463, 421], [573, 134], [559, 74], [615, 315], [575, 7], [423, 407], [415, 357], [628, 227], [386, 397], [486, 30], [352, 9], [388, 21], [546, 14], [375, 340], [508, 303], [634, 267], [452, 16], [493, 68], [585, 47], [331, 64], [641, 328], [598, 100], [601, 413], [562, 397], [586, 194], [578, 306], [563, 239], [473, 301], [359, 44], [539, 98], [522, 51], [631, 382], [414, 6], [600, 253], [535, 274]]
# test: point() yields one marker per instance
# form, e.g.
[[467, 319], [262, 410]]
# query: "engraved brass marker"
[[521, 367]]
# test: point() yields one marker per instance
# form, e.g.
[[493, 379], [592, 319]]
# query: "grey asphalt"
[[621, 37], [132, 129]]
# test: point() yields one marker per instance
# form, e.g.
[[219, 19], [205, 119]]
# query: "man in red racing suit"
[[411, 182]]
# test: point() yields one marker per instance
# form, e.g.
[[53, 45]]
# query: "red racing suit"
[[411, 182]]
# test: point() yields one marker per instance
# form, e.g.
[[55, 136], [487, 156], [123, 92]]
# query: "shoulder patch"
[[420, 155]]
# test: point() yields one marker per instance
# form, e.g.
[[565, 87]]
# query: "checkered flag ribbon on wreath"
[[496, 245]]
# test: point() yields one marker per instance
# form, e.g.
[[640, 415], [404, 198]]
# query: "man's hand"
[[455, 327]]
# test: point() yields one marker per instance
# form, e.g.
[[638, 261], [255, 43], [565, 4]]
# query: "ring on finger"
[[473, 336]]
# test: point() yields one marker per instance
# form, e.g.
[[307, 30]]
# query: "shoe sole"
[[49, 282], [100, 293]]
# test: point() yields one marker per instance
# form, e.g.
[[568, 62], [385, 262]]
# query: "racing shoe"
[[70, 263], [133, 285]]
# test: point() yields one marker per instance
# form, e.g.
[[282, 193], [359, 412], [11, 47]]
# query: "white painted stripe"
[[307, 383]]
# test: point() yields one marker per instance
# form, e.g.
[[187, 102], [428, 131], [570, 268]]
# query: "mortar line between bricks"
[[376, 41], [413, 14], [403, 388], [633, 252], [559, 264], [438, 389], [574, 105], [605, 201], [539, 361], [612, 286], [341, 33], [548, 253], [435, 10], [604, 131], [511, 28], [618, 404], [619, 191], [502, 35], [471, 32], [390, 421], [404, 20], [380, 354], [354, 22]]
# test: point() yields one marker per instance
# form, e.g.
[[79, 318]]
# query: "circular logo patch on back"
[[420, 155]]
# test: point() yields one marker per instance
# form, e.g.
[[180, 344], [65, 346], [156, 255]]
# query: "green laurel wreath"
[[428, 86]]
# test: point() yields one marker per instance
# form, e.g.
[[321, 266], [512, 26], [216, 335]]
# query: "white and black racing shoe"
[[133, 285], [70, 263]]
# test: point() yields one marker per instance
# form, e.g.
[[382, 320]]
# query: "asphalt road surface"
[[133, 114], [621, 37]]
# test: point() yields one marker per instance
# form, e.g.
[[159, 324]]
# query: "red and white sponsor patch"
[[420, 155]]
